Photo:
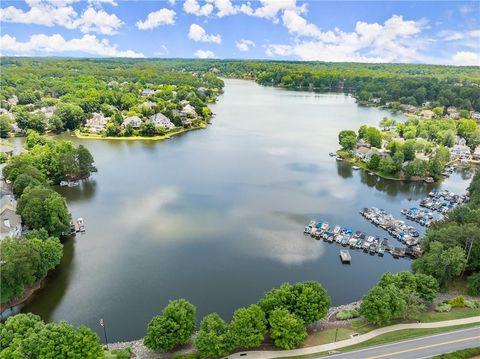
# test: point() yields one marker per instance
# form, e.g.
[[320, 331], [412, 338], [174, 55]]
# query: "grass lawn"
[[455, 313], [327, 336], [149, 138]]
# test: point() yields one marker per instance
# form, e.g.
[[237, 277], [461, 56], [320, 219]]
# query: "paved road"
[[417, 348], [362, 338]]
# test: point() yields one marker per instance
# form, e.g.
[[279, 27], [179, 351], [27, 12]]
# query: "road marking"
[[424, 347]]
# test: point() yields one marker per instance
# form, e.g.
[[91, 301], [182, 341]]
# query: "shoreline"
[[167, 136], [28, 292]]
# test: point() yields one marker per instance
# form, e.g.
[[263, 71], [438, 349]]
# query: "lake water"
[[216, 216]]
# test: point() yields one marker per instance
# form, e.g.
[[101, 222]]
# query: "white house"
[[13, 100], [159, 119], [148, 92], [148, 104], [96, 123], [134, 121], [189, 110], [10, 221], [48, 111]]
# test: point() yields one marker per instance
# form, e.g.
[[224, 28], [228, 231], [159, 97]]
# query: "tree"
[[398, 159], [22, 182], [347, 139], [374, 137], [438, 111], [362, 131], [474, 284], [85, 161], [5, 126], [426, 286], [440, 262], [374, 162], [71, 115], [465, 127], [27, 336], [55, 124], [287, 330], [41, 207], [148, 129], [311, 301], [409, 150], [382, 304], [248, 327], [175, 326], [386, 123], [213, 339]]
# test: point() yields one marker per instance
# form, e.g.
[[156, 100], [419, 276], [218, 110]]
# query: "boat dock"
[[397, 228], [443, 201], [357, 240], [345, 257]]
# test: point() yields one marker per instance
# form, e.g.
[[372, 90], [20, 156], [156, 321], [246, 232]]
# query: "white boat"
[[355, 167], [63, 183], [73, 183]]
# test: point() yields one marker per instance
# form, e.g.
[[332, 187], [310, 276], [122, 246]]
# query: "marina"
[[357, 240], [443, 201], [397, 228]]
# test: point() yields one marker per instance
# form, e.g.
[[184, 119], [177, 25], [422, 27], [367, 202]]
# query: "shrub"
[[443, 308], [345, 314], [471, 304], [457, 302], [125, 353]]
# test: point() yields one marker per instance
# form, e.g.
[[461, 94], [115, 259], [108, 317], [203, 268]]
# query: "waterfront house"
[[375, 100], [453, 113], [48, 111], [13, 100], [10, 221], [361, 151], [134, 121], [148, 92], [159, 119], [408, 108], [96, 123], [428, 114], [476, 154], [189, 110], [362, 143], [475, 116], [382, 153], [148, 104]]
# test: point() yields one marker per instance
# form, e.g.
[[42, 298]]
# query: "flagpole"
[[102, 323]]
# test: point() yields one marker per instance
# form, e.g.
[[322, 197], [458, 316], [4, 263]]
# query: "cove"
[[216, 216]]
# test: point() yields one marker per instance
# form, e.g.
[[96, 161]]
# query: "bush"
[[213, 339], [443, 308], [471, 304], [474, 284], [457, 302], [345, 314]]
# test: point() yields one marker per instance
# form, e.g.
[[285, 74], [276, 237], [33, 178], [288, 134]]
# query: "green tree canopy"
[[287, 330], [248, 326]]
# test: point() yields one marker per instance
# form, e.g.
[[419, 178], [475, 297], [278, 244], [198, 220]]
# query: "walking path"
[[352, 341]]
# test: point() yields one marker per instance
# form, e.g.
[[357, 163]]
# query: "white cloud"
[[466, 58], [204, 54], [298, 25], [198, 33], [99, 22], [40, 43], [270, 8], [193, 7], [397, 40], [60, 13], [244, 45], [470, 38], [157, 18], [171, 2], [100, 2]]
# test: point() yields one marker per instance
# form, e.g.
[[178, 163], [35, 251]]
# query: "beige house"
[[96, 123], [159, 119], [10, 221], [426, 114]]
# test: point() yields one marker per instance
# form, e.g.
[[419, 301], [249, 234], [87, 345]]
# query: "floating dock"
[[345, 257]]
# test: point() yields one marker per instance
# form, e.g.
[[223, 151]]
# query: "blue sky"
[[439, 32]]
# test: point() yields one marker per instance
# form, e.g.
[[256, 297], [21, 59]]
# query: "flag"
[[102, 324]]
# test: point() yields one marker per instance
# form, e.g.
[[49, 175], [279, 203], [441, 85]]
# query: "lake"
[[216, 216]]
